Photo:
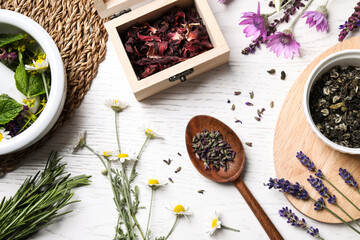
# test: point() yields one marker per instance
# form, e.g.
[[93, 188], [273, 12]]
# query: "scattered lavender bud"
[[271, 71], [233, 107], [283, 75], [319, 204], [319, 174], [257, 119], [249, 144], [332, 199], [260, 112], [349, 179], [170, 179], [228, 101], [319, 186], [305, 160], [168, 162], [272, 104], [249, 104], [178, 170], [238, 121], [251, 94], [201, 191], [296, 222], [179, 154], [295, 190], [237, 93]]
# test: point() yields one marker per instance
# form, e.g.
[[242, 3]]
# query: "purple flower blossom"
[[284, 42], [257, 24], [295, 221], [295, 190], [318, 18], [305, 160], [7, 57], [222, 1], [249, 104], [319, 186], [319, 204], [320, 174], [351, 24], [349, 179], [332, 199]]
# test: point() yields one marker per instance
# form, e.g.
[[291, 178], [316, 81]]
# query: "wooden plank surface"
[[293, 134]]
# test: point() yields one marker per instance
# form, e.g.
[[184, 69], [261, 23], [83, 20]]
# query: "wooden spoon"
[[198, 124]]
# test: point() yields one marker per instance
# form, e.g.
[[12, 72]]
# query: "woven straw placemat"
[[80, 35]]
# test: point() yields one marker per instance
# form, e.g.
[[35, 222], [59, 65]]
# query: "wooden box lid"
[[107, 8]]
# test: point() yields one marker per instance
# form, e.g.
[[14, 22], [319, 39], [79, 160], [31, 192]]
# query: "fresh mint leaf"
[[9, 109], [21, 78], [10, 38], [36, 85]]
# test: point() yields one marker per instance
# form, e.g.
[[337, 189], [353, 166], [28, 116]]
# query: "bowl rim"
[[56, 100], [318, 69]]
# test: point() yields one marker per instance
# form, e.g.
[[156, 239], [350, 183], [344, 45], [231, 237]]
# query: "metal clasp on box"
[[181, 76], [120, 13]]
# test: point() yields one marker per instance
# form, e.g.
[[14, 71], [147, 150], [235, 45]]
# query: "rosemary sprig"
[[38, 200]]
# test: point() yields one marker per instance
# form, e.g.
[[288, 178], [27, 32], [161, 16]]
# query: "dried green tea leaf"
[[233, 107], [249, 144], [272, 104], [251, 94], [237, 93]]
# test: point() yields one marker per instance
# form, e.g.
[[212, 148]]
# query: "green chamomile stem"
[[229, 228], [138, 227], [300, 14], [283, 6], [92, 150], [347, 214], [338, 217], [151, 201], [45, 85], [117, 131], [172, 229], [342, 193], [142, 148]]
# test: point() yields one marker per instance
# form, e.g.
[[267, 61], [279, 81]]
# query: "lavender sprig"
[[351, 24], [323, 191], [305, 160], [296, 222], [285, 186], [349, 179]]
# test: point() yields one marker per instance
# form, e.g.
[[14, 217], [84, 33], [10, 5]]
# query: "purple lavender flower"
[[296, 222], [295, 190], [305, 160], [349, 179], [319, 186], [332, 199], [320, 174], [7, 56], [318, 18], [284, 42], [257, 24], [319, 204], [351, 24]]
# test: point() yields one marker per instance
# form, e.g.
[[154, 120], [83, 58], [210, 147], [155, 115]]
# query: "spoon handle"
[[264, 220]]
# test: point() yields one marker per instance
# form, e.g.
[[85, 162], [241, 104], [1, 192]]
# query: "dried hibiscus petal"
[[154, 46]]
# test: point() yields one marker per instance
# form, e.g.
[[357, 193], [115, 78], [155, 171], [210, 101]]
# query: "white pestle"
[[8, 86]]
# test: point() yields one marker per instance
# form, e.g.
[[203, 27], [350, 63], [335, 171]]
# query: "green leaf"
[[277, 5], [21, 78], [9, 109], [36, 85], [9, 38]]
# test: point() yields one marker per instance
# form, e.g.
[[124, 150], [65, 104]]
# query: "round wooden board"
[[293, 134]]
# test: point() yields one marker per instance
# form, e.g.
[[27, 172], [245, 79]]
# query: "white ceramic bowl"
[[342, 58], [12, 22]]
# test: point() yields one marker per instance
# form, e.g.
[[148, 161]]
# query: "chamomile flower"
[[40, 65], [214, 224], [116, 105], [80, 142], [179, 210], [151, 131], [116, 156], [156, 183], [4, 135]]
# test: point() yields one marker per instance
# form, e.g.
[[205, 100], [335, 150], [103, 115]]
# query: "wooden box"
[[151, 11]]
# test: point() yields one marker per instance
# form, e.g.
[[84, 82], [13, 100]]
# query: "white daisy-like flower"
[[80, 142], [156, 183], [4, 135], [214, 224], [116, 105], [179, 210], [116, 156], [40, 65], [151, 131]]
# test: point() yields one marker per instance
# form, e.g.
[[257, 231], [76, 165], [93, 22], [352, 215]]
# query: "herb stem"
[[93, 151], [151, 201], [172, 229], [347, 214], [337, 216], [229, 228], [28, 121], [326, 3], [283, 6], [341, 193], [117, 131], [138, 226], [299, 15], [142, 147], [45, 85]]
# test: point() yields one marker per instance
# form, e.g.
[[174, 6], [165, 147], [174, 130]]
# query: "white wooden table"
[[94, 218]]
